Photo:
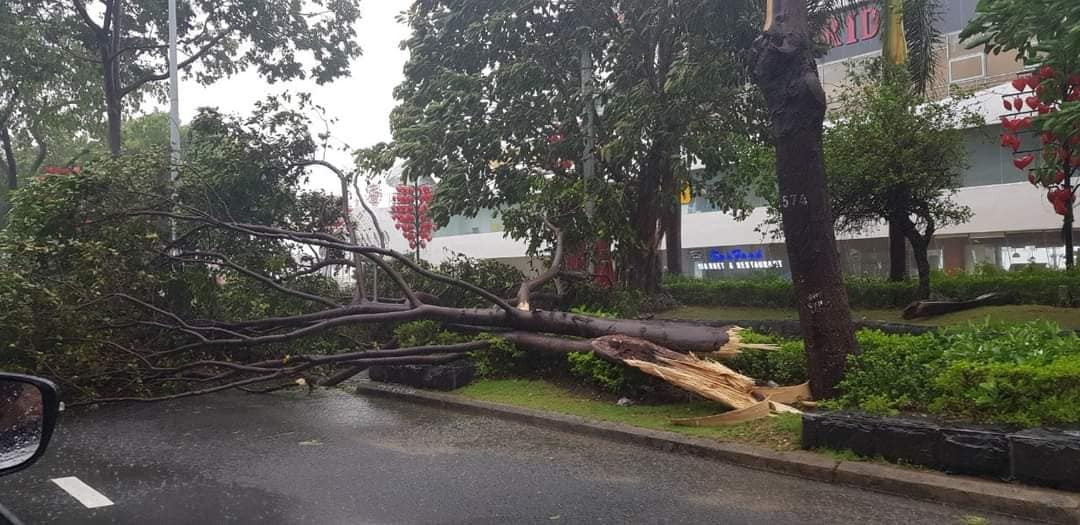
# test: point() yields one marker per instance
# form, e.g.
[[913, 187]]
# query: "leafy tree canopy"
[[126, 42], [893, 155], [494, 107]]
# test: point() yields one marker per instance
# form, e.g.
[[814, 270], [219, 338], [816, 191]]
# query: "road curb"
[[1025, 502]]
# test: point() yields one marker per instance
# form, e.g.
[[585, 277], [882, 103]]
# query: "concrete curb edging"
[[1016, 500]]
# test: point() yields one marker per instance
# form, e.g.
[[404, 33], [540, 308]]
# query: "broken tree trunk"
[[708, 379], [934, 308], [787, 75]]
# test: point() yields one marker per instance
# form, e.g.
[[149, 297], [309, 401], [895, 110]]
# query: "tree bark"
[[672, 224], [11, 173], [922, 264], [640, 268], [42, 149], [787, 75], [920, 245], [110, 64], [898, 269]]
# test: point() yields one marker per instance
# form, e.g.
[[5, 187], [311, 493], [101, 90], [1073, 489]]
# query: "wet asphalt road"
[[336, 458]]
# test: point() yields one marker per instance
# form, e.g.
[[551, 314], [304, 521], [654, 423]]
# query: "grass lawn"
[[779, 432], [1067, 318]]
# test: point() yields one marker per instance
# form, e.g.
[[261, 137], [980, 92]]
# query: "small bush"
[[587, 366], [786, 366], [499, 358], [617, 301], [421, 333]]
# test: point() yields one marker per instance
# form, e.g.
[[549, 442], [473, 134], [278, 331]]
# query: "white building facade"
[[1013, 223]]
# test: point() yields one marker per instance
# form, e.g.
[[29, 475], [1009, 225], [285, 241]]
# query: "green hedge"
[[1029, 286], [1022, 374], [1019, 374]]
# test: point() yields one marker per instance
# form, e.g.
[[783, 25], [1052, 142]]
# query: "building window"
[[964, 64]]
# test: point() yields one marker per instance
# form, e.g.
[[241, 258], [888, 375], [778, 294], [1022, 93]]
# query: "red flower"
[[1046, 72], [1019, 83]]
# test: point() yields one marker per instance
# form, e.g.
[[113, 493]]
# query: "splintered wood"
[[709, 379]]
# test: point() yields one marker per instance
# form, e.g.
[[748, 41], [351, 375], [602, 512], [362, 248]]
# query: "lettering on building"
[[738, 259], [853, 26]]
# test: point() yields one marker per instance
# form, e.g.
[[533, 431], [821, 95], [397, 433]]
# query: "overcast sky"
[[361, 103]]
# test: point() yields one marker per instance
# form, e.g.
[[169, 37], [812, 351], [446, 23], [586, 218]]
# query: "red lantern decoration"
[[410, 214]]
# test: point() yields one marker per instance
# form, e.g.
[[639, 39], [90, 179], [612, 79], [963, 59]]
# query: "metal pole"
[[588, 158], [174, 113]]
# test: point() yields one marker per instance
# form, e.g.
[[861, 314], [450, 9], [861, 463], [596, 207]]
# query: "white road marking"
[[86, 494]]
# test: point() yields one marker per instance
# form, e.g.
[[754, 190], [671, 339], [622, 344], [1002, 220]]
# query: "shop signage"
[[738, 259], [853, 26], [718, 255]]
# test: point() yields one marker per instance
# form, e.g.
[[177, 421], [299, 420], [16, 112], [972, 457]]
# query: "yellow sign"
[[686, 196]]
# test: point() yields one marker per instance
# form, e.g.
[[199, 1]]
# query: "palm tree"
[[910, 36], [910, 33]]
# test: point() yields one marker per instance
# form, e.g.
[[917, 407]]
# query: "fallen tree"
[[624, 341]]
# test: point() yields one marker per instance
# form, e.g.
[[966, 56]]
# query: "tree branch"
[[552, 272], [254, 275], [154, 77], [80, 7]]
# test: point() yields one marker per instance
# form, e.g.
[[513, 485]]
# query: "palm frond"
[[922, 30]]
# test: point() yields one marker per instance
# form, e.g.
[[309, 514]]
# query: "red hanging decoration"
[[1023, 162]]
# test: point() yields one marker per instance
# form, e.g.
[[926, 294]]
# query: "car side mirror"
[[29, 407]]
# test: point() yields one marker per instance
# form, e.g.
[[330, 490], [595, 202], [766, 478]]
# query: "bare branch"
[[315, 268], [226, 261], [329, 241], [80, 7], [183, 64], [552, 272]]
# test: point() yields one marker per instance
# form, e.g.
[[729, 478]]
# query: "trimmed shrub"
[[1028, 394], [1028, 286], [1022, 374], [587, 366], [764, 292], [786, 366], [893, 373]]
